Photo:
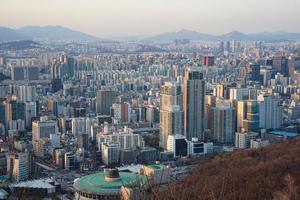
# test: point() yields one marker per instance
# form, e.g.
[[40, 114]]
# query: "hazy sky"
[[139, 17]]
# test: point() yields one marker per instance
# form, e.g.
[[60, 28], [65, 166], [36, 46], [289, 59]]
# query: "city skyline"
[[130, 17]]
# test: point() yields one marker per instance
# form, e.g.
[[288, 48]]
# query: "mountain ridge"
[[63, 33], [44, 33], [233, 35]]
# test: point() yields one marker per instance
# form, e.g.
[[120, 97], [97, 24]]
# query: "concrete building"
[[43, 129], [258, 143], [193, 93], [26, 93], [108, 184], [198, 148], [157, 173], [78, 126], [251, 122], [223, 124], [270, 111], [178, 144], [243, 140], [105, 99], [110, 153], [171, 114], [70, 161], [18, 165], [126, 140], [30, 113]]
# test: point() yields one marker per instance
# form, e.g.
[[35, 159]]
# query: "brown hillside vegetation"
[[268, 173]]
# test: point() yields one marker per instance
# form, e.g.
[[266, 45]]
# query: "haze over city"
[[111, 18], [149, 99]]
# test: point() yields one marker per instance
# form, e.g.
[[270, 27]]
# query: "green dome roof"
[[96, 183]]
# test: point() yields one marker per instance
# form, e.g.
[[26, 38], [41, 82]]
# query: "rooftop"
[[284, 133], [96, 183], [40, 183], [156, 166]]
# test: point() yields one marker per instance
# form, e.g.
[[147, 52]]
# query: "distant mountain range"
[[235, 35], [43, 32], [63, 33]]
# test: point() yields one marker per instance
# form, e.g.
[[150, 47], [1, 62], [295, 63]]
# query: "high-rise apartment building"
[[18, 166], [171, 115], [223, 124], [78, 126], [26, 93], [208, 60], [270, 111]]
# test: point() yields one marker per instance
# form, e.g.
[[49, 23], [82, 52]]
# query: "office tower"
[[110, 153], [171, 115], [105, 99], [83, 141], [30, 113], [208, 60], [14, 111], [270, 111], [18, 166], [255, 72], [247, 115], [243, 140], [223, 124], [56, 85], [251, 122], [280, 63], [78, 126], [42, 129], [221, 48], [193, 104]]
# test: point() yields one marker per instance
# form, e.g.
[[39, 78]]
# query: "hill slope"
[[8, 34], [268, 173]]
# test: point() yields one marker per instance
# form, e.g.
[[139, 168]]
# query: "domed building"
[[106, 185]]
